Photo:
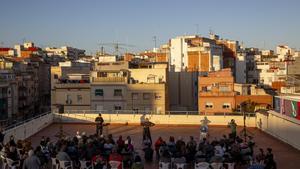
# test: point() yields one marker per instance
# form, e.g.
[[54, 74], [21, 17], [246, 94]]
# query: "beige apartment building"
[[120, 86], [70, 87]]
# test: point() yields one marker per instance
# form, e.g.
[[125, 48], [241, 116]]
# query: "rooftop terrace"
[[283, 138], [285, 155]]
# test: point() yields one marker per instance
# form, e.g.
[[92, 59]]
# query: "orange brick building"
[[198, 61], [259, 100], [216, 92], [156, 56]]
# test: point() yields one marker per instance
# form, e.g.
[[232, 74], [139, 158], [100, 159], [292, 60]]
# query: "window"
[[79, 99], [134, 96], [146, 96], [99, 92], [118, 92], [157, 96], [226, 106], [117, 107], [209, 105], [68, 100], [55, 76]]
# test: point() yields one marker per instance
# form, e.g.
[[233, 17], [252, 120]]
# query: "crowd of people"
[[94, 150], [102, 151], [227, 150]]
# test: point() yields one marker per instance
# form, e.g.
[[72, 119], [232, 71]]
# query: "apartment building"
[[128, 86], [194, 53], [284, 52], [204, 55], [252, 94], [28, 79], [230, 49], [294, 67], [252, 65], [183, 91], [10, 95], [216, 92], [5, 102], [7, 51], [70, 86], [65, 51]]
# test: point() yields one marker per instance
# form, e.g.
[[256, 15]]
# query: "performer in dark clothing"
[[99, 125], [146, 132]]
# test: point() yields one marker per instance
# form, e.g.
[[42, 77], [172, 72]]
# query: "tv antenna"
[[117, 46]]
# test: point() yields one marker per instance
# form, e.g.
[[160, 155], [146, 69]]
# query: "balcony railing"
[[109, 79], [72, 85], [216, 93]]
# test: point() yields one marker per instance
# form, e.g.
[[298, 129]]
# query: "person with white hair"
[[32, 161], [78, 136]]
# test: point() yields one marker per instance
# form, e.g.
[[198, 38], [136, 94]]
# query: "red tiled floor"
[[286, 156]]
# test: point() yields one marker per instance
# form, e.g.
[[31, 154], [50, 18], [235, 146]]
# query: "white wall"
[[179, 57], [281, 127], [29, 128]]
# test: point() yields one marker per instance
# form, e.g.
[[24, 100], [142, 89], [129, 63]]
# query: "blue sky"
[[85, 23]]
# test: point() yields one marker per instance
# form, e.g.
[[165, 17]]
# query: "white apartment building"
[[270, 72], [283, 52], [194, 53], [179, 57], [65, 51]]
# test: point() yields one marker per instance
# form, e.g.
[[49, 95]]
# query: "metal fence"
[[154, 112], [18, 123]]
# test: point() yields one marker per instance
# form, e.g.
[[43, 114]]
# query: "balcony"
[[109, 80], [212, 94], [72, 85]]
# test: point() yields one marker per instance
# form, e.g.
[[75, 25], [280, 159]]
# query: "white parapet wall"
[[157, 119], [280, 126], [29, 128]]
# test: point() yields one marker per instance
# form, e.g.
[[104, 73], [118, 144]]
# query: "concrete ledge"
[[134, 119]]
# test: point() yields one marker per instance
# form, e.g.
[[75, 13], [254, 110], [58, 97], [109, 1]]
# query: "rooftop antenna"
[[117, 46], [102, 50], [197, 29], [155, 39], [211, 32]]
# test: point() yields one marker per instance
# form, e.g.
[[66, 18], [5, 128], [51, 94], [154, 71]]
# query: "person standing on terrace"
[[204, 128], [232, 126], [146, 132], [99, 124]]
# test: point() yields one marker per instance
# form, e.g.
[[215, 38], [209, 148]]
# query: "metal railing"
[[108, 79], [155, 112], [19, 123]]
